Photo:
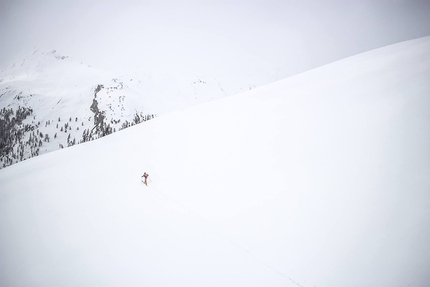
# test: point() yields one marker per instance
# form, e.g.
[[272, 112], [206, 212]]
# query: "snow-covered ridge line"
[[91, 103]]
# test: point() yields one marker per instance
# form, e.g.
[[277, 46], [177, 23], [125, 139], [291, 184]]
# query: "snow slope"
[[321, 179]]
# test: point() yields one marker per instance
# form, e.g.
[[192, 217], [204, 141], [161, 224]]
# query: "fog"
[[227, 39]]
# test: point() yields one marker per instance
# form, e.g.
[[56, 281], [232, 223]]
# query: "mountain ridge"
[[95, 102]]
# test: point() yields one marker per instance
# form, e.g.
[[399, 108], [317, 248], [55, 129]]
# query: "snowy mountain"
[[49, 101], [321, 179]]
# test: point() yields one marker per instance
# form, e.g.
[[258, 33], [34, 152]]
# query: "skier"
[[145, 175]]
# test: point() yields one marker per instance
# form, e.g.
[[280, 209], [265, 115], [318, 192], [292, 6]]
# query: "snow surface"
[[321, 179]]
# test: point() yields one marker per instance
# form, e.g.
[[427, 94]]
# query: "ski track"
[[209, 225]]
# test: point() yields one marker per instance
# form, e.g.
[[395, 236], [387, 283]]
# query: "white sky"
[[223, 38]]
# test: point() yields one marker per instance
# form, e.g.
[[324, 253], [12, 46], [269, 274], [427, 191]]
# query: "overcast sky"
[[228, 38]]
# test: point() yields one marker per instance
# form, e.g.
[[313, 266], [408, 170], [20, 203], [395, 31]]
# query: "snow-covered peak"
[[47, 87], [38, 63]]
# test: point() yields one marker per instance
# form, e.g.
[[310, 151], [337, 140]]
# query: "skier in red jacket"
[[145, 175]]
